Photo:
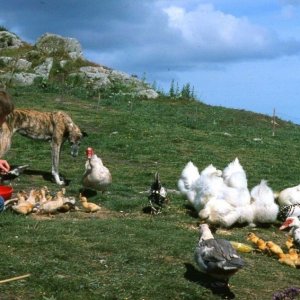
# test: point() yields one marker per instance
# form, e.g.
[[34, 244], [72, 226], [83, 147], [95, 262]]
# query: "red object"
[[6, 191], [89, 152]]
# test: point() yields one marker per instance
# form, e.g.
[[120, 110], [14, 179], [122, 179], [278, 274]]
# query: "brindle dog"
[[55, 127]]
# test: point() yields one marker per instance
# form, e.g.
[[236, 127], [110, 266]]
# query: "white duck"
[[294, 224], [96, 176], [216, 257]]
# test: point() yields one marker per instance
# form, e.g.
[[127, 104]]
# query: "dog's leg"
[[5, 139], [55, 162]]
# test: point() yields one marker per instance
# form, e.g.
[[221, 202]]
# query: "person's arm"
[[4, 166]]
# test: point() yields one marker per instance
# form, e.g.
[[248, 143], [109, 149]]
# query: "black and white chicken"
[[158, 195]]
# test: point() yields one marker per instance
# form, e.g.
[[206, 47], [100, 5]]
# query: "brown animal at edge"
[[56, 127]]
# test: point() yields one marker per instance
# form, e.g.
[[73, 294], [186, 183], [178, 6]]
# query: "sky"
[[242, 54]]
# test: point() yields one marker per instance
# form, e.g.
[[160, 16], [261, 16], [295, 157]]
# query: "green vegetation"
[[122, 252], [2, 28], [186, 92]]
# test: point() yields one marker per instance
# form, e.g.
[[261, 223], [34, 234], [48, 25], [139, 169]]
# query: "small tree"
[[172, 90], [154, 85], [186, 91], [177, 91], [193, 95], [2, 28]]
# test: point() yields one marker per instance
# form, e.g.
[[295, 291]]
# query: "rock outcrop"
[[9, 40], [53, 55], [55, 44]]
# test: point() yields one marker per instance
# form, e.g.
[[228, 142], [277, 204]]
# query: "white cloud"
[[159, 34], [212, 31]]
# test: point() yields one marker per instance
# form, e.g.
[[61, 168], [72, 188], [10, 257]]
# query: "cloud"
[[177, 38], [217, 36], [145, 35]]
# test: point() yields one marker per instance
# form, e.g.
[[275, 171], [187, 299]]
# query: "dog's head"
[[74, 137]]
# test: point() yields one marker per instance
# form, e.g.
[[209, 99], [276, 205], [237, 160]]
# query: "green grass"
[[123, 253]]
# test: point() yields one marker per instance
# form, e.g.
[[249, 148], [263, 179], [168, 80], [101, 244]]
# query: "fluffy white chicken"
[[96, 176], [235, 176], [221, 213], [289, 196], [208, 186], [222, 198], [265, 210], [231, 203], [188, 176]]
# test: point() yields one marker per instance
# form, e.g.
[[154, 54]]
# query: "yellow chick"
[[290, 242], [88, 206], [262, 245], [241, 247], [286, 260], [252, 237], [274, 248], [293, 253], [52, 206], [23, 208]]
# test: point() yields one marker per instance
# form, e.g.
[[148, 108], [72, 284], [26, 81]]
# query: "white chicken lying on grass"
[[96, 175], [289, 196], [223, 198]]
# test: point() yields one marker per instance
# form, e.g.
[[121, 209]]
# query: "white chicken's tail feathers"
[[232, 167], [262, 191]]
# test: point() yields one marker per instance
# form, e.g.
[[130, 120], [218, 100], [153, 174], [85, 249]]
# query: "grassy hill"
[[122, 252]]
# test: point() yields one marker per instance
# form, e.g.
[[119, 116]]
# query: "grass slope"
[[121, 252]]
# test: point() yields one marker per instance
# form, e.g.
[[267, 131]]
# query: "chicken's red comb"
[[89, 152]]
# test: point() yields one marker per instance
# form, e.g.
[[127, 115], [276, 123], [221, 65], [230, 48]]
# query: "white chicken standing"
[[96, 175]]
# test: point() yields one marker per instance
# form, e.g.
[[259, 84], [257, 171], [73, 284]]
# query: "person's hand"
[[4, 166]]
